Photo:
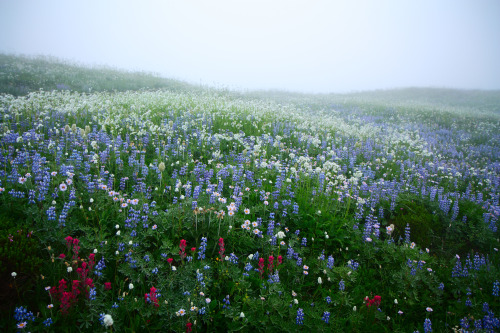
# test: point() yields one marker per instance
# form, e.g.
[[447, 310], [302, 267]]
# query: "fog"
[[307, 46]]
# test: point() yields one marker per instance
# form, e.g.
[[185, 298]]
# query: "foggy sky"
[[309, 46]]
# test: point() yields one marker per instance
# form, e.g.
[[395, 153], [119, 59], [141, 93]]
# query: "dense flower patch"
[[196, 212]]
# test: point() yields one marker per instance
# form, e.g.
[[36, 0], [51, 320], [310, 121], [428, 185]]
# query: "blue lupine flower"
[[331, 262], [464, 322], [270, 228], [274, 278], [233, 258], [486, 307], [99, 267], [202, 248], [341, 285], [299, 261], [227, 303], [101, 318], [326, 317], [248, 267], [427, 325], [92, 294], [407, 234], [496, 288], [300, 317], [47, 322], [289, 253], [51, 213], [199, 278], [22, 314], [353, 265]]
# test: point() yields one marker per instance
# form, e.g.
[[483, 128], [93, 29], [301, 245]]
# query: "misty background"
[[306, 46]]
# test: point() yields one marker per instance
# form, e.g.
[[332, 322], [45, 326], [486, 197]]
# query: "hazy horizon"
[[299, 46]]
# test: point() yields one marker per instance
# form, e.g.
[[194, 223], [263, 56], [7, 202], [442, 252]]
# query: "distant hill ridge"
[[20, 75]]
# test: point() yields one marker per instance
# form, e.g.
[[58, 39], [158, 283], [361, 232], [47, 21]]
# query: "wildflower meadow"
[[204, 210]]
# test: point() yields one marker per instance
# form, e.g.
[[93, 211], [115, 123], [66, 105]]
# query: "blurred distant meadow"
[[135, 203]]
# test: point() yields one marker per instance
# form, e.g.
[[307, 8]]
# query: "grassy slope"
[[21, 75]]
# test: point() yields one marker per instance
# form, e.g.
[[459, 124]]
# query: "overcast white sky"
[[303, 45]]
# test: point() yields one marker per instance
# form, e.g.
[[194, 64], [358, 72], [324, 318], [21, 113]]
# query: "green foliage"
[[20, 255], [20, 252], [425, 223]]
